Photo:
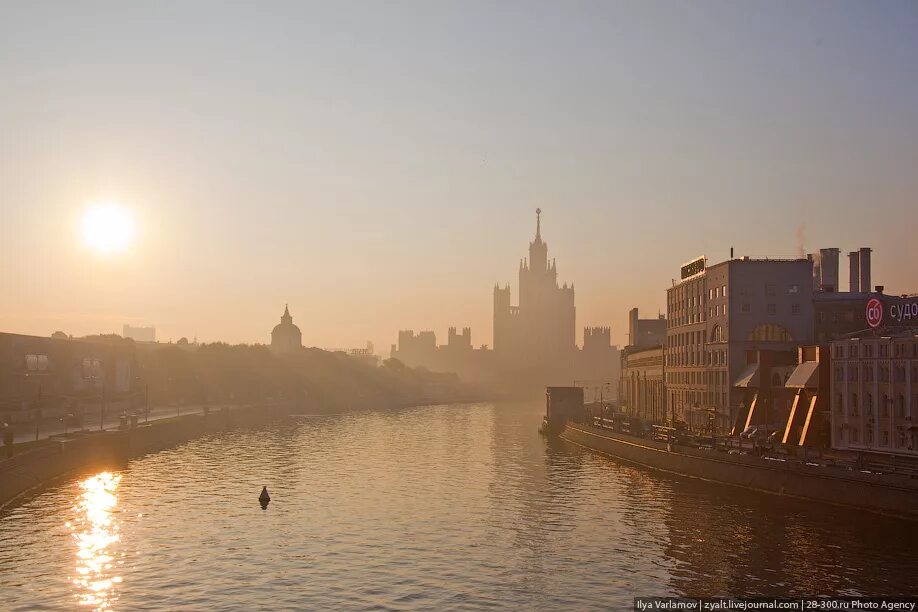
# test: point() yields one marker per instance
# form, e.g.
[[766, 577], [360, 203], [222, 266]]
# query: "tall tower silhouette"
[[541, 329]]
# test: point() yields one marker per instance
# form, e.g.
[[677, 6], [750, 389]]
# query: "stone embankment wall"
[[887, 493], [107, 450]]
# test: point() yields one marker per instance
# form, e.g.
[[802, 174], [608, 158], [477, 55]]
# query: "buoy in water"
[[264, 498]]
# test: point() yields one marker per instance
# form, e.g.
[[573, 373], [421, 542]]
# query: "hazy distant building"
[[539, 331], [139, 334], [286, 337], [534, 342], [597, 364], [50, 376]]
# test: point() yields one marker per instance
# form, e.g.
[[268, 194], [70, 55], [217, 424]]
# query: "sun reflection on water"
[[95, 533]]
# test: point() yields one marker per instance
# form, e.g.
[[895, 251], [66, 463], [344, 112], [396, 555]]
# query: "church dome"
[[286, 336]]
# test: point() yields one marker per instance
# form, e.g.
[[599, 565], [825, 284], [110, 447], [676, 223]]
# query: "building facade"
[[715, 315], [641, 384], [46, 375], [874, 396]]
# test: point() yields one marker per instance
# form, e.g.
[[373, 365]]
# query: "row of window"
[[854, 436], [696, 358], [871, 349], [882, 372], [707, 377], [885, 405], [717, 292], [683, 400]]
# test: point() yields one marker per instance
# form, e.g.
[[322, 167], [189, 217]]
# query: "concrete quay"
[[37, 463]]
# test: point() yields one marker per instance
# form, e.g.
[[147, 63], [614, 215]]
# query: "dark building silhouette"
[[644, 333], [286, 337], [541, 329]]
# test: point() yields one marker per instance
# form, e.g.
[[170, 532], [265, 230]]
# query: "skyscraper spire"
[[538, 223]]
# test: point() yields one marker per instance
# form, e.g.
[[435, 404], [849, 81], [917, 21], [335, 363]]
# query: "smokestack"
[[854, 271], [865, 269], [731, 252], [828, 269]]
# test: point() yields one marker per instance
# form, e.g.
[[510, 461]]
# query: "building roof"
[[749, 377], [804, 376]]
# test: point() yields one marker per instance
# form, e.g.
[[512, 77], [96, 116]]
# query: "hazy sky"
[[377, 164]]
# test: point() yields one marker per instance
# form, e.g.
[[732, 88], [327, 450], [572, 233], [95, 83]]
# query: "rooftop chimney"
[[828, 269], [854, 272], [865, 269]]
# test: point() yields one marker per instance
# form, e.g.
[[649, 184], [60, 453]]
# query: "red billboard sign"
[[874, 312]]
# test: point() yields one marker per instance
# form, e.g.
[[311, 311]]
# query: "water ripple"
[[441, 507]]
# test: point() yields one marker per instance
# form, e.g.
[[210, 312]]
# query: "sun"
[[107, 228]]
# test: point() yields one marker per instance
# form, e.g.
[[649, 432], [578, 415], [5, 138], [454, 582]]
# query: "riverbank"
[[36, 463], [890, 494]]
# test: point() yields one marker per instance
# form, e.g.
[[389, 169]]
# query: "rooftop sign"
[[696, 266]]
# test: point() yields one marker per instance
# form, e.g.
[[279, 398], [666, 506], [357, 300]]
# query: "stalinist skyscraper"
[[540, 331]]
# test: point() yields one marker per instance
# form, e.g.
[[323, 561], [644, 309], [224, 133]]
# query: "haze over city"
[[377, 166]]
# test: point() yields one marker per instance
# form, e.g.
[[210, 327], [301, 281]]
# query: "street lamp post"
[[102, 410]]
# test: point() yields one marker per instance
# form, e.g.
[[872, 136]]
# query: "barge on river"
[[819, 480]]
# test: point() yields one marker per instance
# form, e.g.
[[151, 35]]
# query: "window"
[[885, 438], [36, 363], [884, 406], [769, 289], [900, 406], [868, 435], [854, 434], [717, 334], [772, 309], [854, 407], [745, 307], [868, 405], [795, 308], [770, 332]]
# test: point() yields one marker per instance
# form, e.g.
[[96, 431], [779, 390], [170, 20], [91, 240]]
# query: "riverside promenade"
[[35, 463], [109, 420]]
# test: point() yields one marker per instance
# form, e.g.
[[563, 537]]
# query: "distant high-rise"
[[286, 337], [541, 329], [139, 334]]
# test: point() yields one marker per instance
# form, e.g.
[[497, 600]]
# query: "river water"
[[437, 507]]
